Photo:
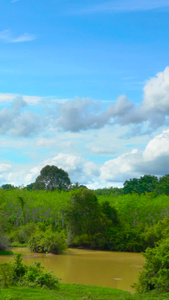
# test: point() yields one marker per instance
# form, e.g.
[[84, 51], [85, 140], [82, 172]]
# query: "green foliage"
[[8, 187], [156, 269], [29, 187], [6, 274], [110, 212], [36, 277], [147, 183], [23, 234], [51, 178], [123, 223], [90, 224], [83, 212], [21, 275], [156, 232], [163, 185], [109, 191], [48, 242]]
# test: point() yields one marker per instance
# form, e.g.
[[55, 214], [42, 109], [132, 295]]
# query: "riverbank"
[[75, 292]]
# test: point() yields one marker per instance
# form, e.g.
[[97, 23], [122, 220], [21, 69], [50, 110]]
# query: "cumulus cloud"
[[17, 122], [7, 37], [79, 114], [153, 112], [153, 160], [84, 114]]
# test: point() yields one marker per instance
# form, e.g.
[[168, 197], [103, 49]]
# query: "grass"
[[17, 244], [66, 292], [75, 292]]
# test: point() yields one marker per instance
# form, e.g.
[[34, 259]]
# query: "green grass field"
[[75, 292]]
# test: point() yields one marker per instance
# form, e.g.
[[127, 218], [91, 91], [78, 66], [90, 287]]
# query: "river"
[[103, 268]]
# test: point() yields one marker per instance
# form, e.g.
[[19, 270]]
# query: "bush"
[[36, 277], [21, 275], [23, 234], [156, 269], [6, 274], [48, 242]]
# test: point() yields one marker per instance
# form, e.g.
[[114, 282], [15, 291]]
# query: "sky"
[[84, 86]]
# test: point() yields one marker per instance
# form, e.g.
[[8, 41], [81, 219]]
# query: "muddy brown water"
[[102, 268]]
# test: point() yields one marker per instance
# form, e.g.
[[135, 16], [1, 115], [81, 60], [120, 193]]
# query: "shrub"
[[23, 234], [48, 242], [21, 275], [36, 277], [6, 274], [156, 269]]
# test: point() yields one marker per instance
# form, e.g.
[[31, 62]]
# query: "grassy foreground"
[[75, 292]]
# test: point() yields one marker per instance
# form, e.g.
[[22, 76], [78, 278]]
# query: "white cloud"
[[122, 6], [17, 122], [157, 147], [153, 112], [84, 114], [4, 167], [153, 160], [156, 93], [8, 37]]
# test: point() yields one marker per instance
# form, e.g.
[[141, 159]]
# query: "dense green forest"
[[99, 221], [53, 214]]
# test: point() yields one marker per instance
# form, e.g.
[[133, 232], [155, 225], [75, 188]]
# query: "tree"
[[155, 274], [50, 178], [83, 212], [84, 219], [146, 183], [163, 185], [29, 187], [8, 187]]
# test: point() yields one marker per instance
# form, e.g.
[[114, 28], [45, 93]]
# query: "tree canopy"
[[50, 178]]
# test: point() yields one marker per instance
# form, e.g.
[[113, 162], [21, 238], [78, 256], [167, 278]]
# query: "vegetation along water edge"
[[50, 215]]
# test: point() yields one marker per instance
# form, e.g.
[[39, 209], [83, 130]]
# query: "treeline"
[[52, 178], [142, 185], [80, 218]]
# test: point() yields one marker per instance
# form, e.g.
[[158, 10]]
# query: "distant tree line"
[[52, 178], [142, 185]]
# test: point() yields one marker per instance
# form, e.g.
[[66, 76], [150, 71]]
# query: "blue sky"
[[84, 86]]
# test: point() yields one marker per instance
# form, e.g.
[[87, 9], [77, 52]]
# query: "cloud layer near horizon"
[[154, 159]]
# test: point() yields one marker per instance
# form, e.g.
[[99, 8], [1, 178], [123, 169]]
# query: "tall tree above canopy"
[[50, 178], [146, 183]]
